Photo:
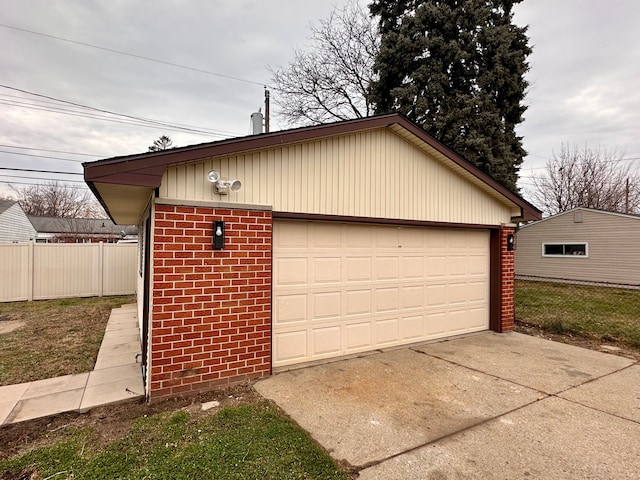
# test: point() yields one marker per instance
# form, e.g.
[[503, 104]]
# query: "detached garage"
[[334, 240]]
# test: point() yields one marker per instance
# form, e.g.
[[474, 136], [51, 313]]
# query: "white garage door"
[[341, 288]]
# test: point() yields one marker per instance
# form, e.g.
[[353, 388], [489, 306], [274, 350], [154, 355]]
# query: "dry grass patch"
[[602, 314], [59, 337]]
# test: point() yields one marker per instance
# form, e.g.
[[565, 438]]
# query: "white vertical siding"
[[369, 174], [15, 226], [614, 248]]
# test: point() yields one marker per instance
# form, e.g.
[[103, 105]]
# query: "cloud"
[[584, 70]]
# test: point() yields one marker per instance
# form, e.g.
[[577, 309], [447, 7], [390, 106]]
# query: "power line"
[[43, 156], [79, 108], [152, 122], [142, 57], [36, 184], [122, 122], [39, 178], [46, 150], [40, 171]]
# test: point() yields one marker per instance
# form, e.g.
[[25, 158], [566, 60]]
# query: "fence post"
[[30, 268], [101, 259]]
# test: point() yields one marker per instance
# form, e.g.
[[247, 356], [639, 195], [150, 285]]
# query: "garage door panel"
[[326, 341], [325, 305], [387, 268], [457, 321], [436, 266], [477, 318], [412, 267], [412, 238], [290, 272], [326, 270], [386, 238], [320, 238], [457, 265], [458, 242], [476, 240], [357, 236], [456, 293], [437, 241], [291, 308], [347, 288], [358, 302], [387, 332], [436, 295], [477, 292], [435, 324], [412, 297], [477, 265], [412, 328], [358, 336], [386, 299], [292, 236], [290, 347], [358, 269]]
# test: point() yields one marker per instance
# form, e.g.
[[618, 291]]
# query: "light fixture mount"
[[223, 186], [213, 176]]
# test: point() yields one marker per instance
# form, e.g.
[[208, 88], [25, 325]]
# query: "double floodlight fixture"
[[223, 186]]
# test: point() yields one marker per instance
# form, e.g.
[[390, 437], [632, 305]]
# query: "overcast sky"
[[585, 74]]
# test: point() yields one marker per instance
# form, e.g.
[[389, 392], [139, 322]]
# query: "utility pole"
[[266, 110]]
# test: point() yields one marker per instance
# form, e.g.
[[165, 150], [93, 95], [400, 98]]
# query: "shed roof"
[[584, 209], [134, 177]]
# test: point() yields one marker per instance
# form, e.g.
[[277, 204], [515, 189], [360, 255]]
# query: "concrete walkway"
[[481, 406], [116, 378]]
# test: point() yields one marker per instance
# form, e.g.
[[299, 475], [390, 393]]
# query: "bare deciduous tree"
[[587, 177], [329, 80], [55, 199]]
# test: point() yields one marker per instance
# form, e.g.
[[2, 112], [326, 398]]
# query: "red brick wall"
[[507, 267], [211, 314]]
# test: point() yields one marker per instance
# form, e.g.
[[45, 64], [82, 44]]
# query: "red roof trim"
[[147, 169]]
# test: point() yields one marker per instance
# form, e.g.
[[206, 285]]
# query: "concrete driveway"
[[482, 406]]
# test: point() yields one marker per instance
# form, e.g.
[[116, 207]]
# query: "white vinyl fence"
[[38, 271]]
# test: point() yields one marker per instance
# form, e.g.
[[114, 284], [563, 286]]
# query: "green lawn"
[[252, 441], [59, 337], [602, 313]]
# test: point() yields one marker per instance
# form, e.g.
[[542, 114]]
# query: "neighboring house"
[[81, 230], [581, 244], [14, 224], [344, 238]]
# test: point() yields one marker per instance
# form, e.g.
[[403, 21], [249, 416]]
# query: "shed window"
[[565, 249]]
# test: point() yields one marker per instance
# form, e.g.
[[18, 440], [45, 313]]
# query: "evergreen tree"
[[456, 68], [162, 143]]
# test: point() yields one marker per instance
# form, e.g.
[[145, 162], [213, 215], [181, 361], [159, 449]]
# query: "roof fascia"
[[147, 169]]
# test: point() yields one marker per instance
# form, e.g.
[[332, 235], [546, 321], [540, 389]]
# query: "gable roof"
[[584, 209], [136, 176], [5, 204], [80, 225]]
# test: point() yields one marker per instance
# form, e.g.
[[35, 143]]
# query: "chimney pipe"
[[256, 123]]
